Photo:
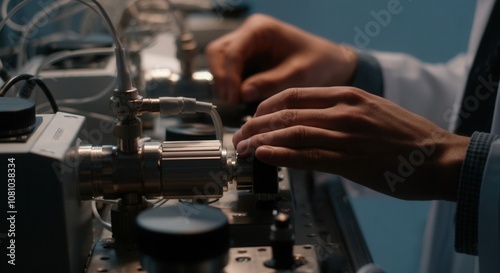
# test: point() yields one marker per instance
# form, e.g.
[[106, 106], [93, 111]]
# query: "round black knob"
[[183, 238], [17, 116]]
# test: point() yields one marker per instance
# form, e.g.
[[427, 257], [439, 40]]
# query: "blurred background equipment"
[[147, 184]]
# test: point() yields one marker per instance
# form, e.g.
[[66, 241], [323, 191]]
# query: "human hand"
[[360, 136], [280, 55]]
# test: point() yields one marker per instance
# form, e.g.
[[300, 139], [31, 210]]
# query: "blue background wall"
[[431, 30]]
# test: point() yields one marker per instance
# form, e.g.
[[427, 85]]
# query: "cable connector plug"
[[172, 106]]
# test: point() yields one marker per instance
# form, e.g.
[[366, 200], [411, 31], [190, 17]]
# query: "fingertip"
[[264, 152], [236, 138], [250, 93], [242, 147]]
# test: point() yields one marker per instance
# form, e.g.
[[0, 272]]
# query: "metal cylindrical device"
[[243, 173], [96, 170], [172, 169], [194, 169], [151, 174]]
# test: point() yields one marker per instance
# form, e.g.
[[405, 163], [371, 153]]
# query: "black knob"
[[183, 238], [265, 178], [17, 116]]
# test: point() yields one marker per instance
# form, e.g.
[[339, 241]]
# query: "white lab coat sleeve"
[[489, 213], [430, 90]]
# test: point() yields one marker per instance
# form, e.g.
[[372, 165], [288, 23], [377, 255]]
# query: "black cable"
[[47, 93], [26, 77], [12, 81], [4, 74], [27, 89]]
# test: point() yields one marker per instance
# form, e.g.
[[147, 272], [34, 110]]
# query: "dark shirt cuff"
[[368, 74], [466, 226]]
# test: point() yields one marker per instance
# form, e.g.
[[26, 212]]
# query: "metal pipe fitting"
[[173, 169]]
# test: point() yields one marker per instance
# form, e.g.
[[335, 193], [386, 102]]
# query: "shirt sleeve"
[[368, 74], [466, 226]]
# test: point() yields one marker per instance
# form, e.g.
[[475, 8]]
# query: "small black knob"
[[265, 178], [17, 116]]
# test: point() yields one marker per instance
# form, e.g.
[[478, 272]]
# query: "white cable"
[[68, 54], [219, 128], [58, 56], [124, 78], [178, 21], [77, 8], [123, 74], [6, 17], [171, 106], [96, 214], [104, 92], [107, 20], [39, 16]]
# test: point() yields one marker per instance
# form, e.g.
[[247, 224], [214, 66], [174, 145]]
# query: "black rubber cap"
[[18, 116], [183, 233], [265, 178]]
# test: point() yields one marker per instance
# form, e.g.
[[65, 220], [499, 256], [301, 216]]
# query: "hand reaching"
[[275, 56], [363, 137]]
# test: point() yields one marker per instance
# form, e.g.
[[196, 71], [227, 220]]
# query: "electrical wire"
[[6, 16], [97, 216], [31, 24], [47, 93], [39, 16], [178, 21], [219, 128], [123, 74], [76, 9], [104, 92], [99, 9], [76, 53], [12, 81], [4, 73], [169, 106], [26, 77], [59, 56]]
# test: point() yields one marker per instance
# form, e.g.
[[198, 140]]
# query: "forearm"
[[368, 74]]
